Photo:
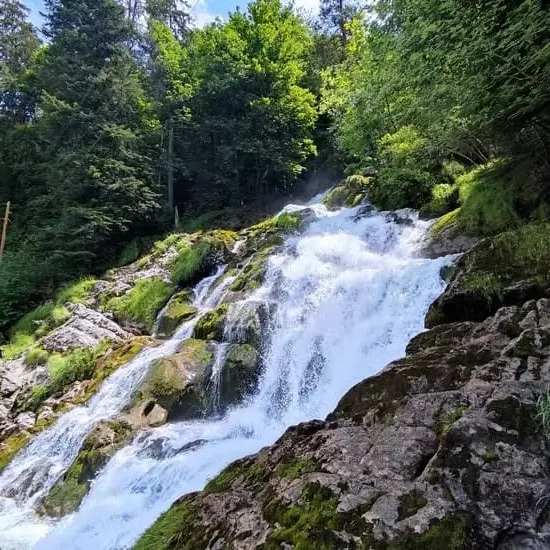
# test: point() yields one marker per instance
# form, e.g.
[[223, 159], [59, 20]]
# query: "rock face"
[[443, 449], [240, 373], [86, 328]]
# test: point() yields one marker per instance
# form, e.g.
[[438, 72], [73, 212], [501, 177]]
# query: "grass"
[[488, 197], [482, 283], [543, 412], [142, 304], [191, 263], [36, 356], [293, 469], [78, 364], [444, 199], [77, 292]]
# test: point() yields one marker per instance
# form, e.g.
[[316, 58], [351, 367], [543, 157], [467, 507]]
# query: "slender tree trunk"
[[4, 230], [171, 165]]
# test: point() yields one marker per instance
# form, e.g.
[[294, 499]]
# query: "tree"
[[336, 15], [18, 42], [175, 14], [92, 156]]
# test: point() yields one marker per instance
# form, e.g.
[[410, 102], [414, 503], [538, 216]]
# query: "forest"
[[120, 121]]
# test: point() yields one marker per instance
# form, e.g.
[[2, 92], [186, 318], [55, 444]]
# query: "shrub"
[[143, 302], [401, 188], [36, 356], [444, 199], [78, 364]]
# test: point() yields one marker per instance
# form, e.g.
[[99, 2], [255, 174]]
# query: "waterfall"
[[215, 378], [350, 293]]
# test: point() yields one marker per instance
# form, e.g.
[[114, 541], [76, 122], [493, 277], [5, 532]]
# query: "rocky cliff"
[[445, 448]]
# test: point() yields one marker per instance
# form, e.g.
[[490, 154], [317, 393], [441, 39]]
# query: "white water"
[[350, 294]]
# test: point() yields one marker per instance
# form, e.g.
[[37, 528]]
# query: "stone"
[[248, 322], [240, 373], [86, 328], [178, 383]]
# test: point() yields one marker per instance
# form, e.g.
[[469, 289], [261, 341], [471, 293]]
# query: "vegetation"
[[142, 304]]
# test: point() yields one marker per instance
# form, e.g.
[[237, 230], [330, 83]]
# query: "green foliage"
[[36, 356], [293, 469], [309, 526], [444, 199], [487, 199], [142, 304], [543, 412], [192, 263], [77, 292], [77, 364]]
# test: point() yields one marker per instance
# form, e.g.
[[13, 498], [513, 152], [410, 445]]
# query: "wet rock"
[[248, 322], [146, 414], [178, 383], [101, 444], [86, 328], [240, 373], [179, 309]]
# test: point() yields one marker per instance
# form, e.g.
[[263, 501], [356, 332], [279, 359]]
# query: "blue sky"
[[204, 11]]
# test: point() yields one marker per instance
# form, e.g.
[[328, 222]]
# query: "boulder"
[[239, 374], [248, 322], [178, 310], [178, 383], [86, 328], [445, 448]]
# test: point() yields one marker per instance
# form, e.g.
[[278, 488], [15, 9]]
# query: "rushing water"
[[349, 293]]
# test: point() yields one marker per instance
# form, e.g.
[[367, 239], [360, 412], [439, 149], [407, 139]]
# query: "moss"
[[451, 533], [244, 472], [78, 292], [177, 382], [36, 356], [490, 456], [67, 493], [409, 505], [77, 364], [142, 304], [486, 284], [295, 468], [445, 222], [211, 325], [176, 529], [308, 526], [488, 196], [11, 446], [351, 192], [444, 199], [447, 419], [253, 274], [178, 310]]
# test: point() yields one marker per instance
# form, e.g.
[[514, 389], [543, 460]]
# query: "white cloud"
[[311, 6], [202, 15]]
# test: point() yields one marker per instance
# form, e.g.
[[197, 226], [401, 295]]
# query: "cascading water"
[[349, 291]]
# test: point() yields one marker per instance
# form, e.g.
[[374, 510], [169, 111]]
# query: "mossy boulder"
[[178, 383], [240, 373], [211, 325], [67, 493], [248, 322], [508, 269], [351, 192], [179, 310]]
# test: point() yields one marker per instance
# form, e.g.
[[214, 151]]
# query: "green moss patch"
[[178, 311], [295, 468], [11, 446], [351, 192], [142, 304], [309, 526], [410, 504], [211, 325], [243, 472]]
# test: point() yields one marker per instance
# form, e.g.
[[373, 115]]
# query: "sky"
[[204, 11]]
